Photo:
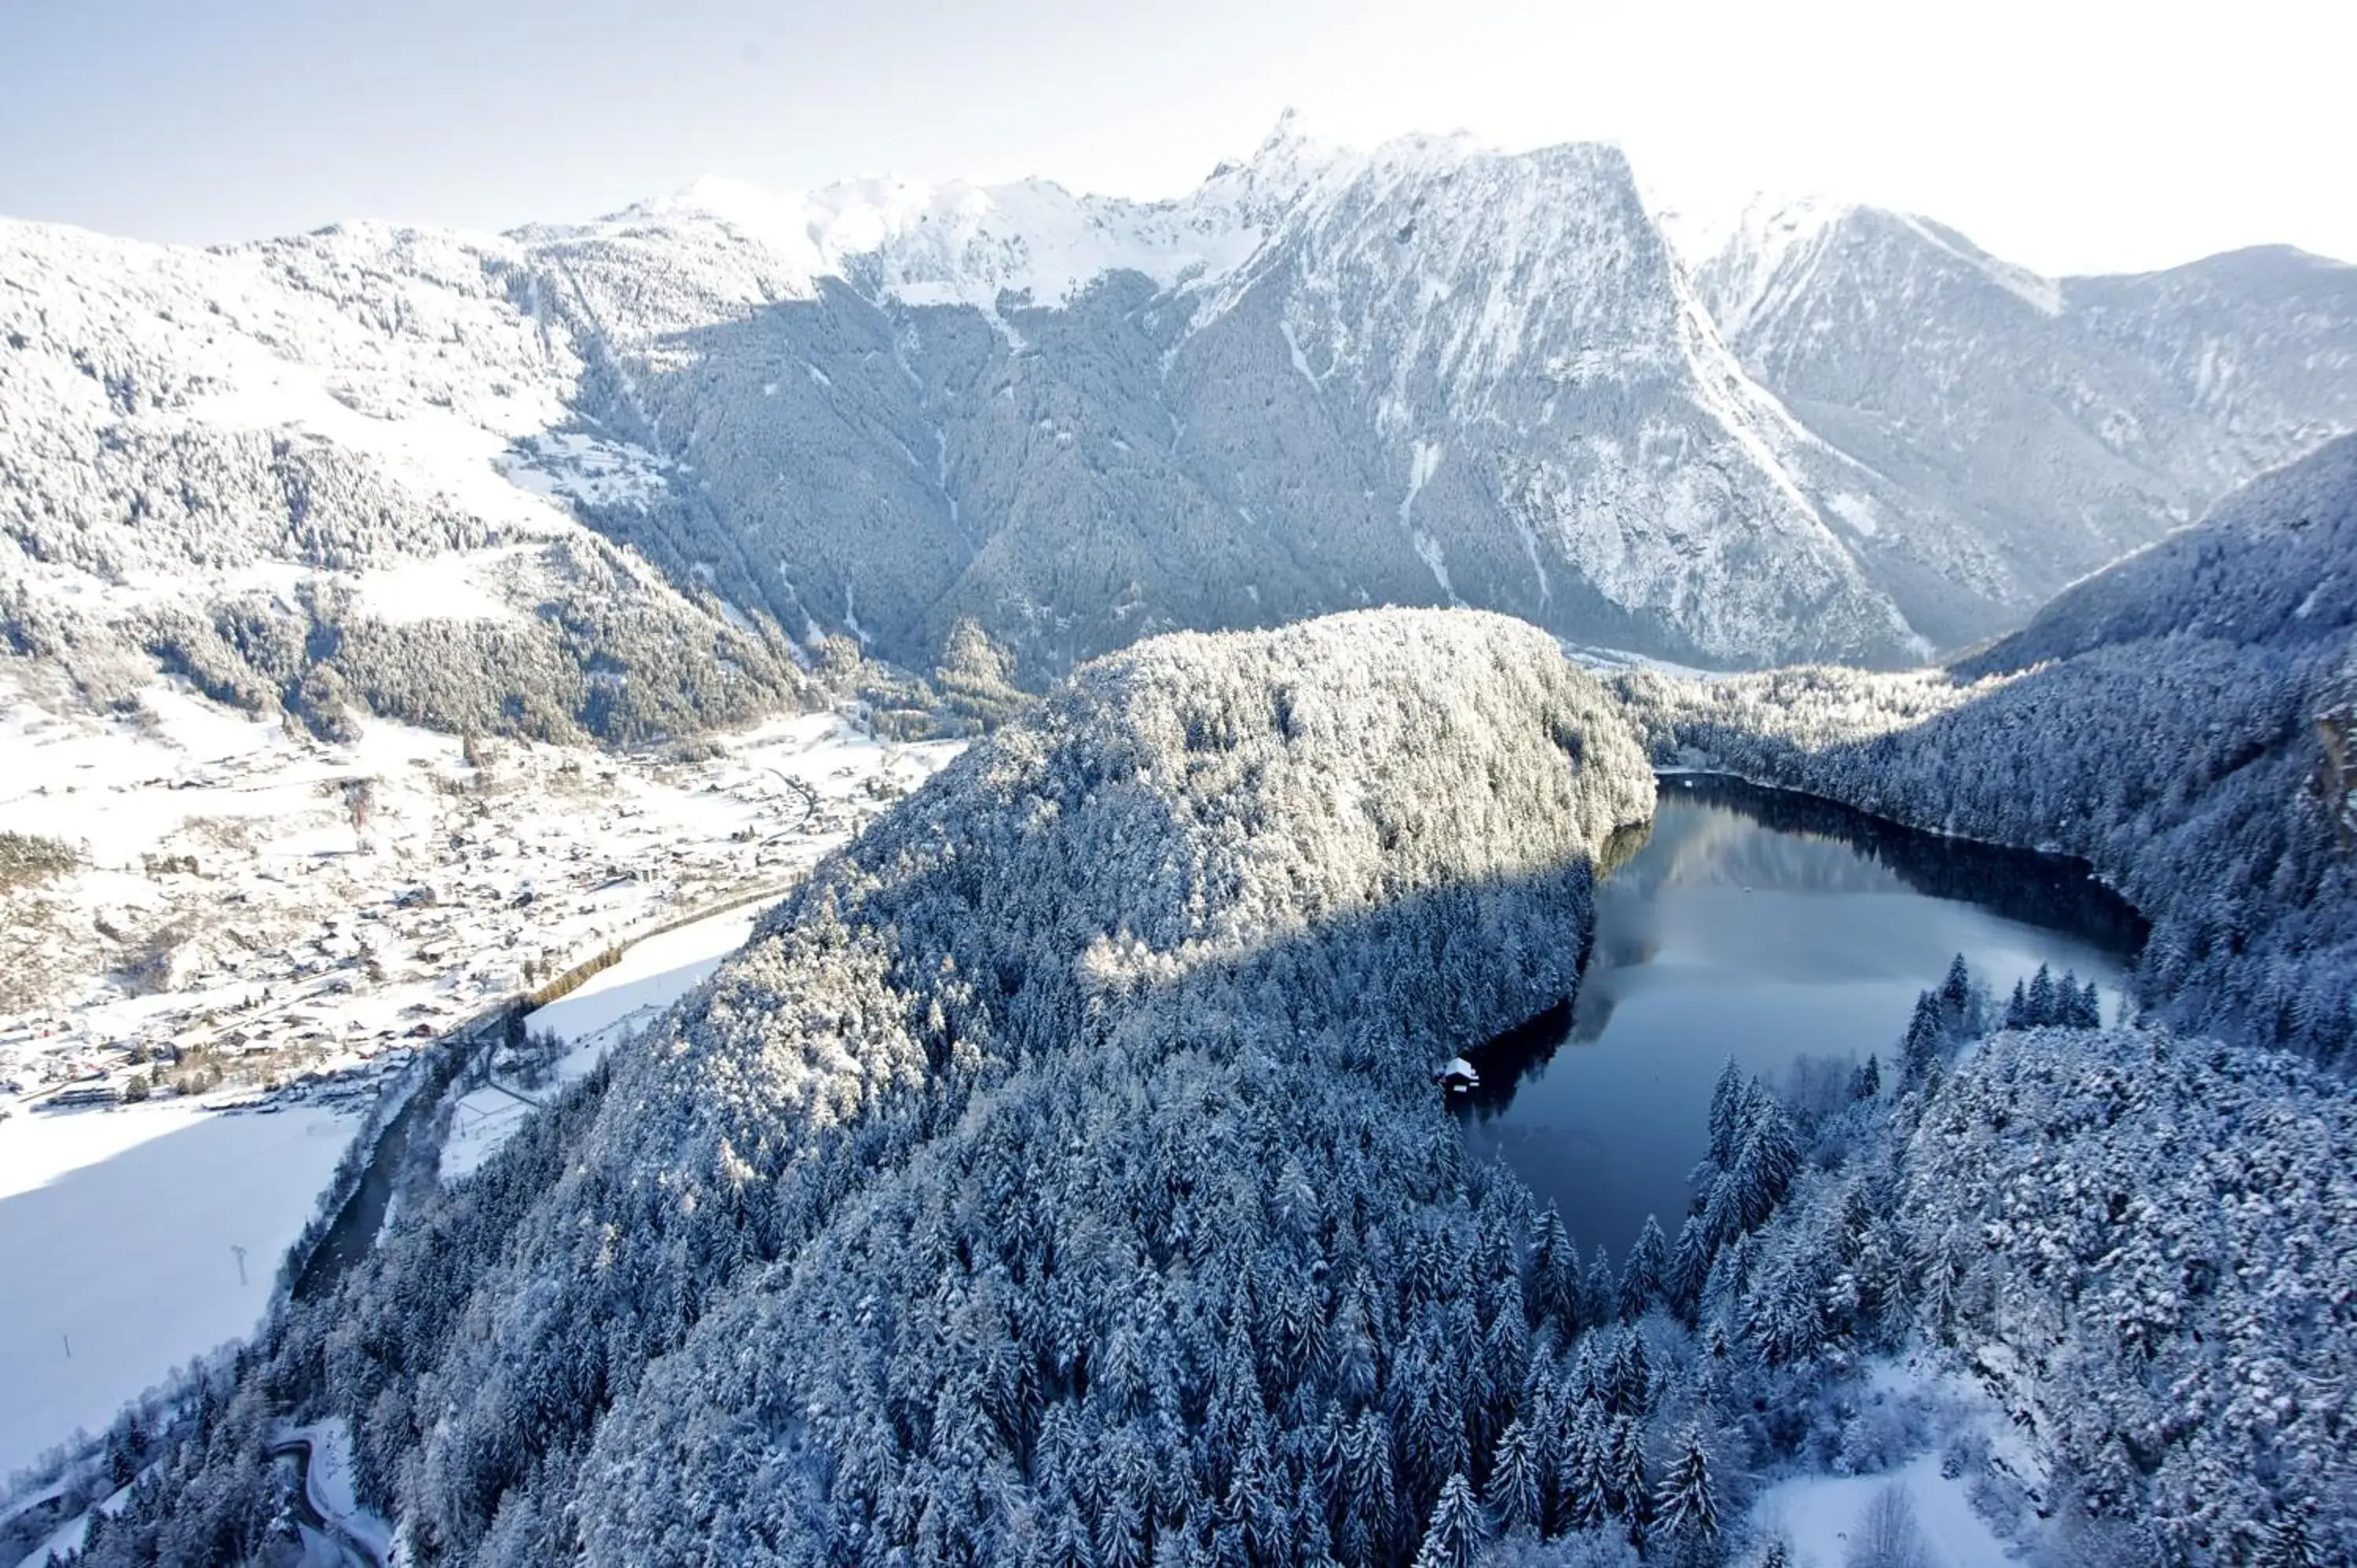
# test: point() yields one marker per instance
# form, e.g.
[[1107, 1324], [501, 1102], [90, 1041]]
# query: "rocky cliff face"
[[2059, 424], [1424, 375]]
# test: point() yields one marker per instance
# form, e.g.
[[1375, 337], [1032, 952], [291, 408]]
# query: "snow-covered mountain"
[[2061, 422], [2273, 566], [1423, 374], [618, 474], [320, 471]]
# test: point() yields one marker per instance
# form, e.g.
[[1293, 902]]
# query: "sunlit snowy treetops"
[[2180, 721], [1057, 1177], [2152, 1232], [1109, 1006]]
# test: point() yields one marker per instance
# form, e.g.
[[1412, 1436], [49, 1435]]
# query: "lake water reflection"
[[1764, 926]]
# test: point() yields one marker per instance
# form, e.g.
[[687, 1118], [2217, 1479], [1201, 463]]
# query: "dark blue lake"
[[1765, 925]]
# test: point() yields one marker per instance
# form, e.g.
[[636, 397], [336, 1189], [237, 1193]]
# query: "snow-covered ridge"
[[955, 243], [1425, 373], [357, 436]]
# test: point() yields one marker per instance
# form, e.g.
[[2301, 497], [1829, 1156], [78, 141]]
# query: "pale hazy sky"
[[2067, 136]]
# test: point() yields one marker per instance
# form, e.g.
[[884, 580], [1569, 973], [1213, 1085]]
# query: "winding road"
[[356, 1553]]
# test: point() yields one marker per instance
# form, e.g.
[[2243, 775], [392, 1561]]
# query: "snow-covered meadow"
[[611, 1006], [124, 1266]]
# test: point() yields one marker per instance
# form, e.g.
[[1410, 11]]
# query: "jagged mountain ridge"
[[2067, 421], [1423, 374]]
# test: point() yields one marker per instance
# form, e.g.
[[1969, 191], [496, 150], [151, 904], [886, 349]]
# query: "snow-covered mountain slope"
[[2182, 721], [2062, 423], [2263, 341], [597, 461], [318, 472], [2273, 566], [1423, 374]]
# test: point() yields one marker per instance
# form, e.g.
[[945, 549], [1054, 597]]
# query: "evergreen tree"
[[1688, 1506], [1553, 1290], [1366, 1496], [1957, 995], [1689, 1268], [1632, 1392], [1631, 1489], [1582, 1476], [1068, 1544], [1767, 1162], [2287, 1543], [1516, 1492], [1598, 1295], [2041, 1000], [1727, 1100], [1455, 1534], [1640, 1278], [1927, 1037]]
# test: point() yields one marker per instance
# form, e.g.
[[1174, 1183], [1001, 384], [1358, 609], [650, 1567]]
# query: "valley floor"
[[197, 1015]]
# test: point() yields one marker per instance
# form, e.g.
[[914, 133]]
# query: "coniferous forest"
[[1057, 1177]]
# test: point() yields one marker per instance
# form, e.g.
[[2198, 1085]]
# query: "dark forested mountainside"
[[2274, 565], [2186, 731]]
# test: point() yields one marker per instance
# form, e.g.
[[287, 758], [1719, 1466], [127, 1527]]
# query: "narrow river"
[[1767, 927]]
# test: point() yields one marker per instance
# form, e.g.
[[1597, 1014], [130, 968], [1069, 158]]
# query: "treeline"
[[28, 859]]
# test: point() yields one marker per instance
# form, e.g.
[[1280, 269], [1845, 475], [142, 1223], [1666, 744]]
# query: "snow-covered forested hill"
[[1058, 1176], [606, 476], [1016, 1095], [2091, 1285], [2143, 1242], [2182, 720]]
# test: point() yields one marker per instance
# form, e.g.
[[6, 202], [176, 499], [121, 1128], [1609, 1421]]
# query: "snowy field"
[[1827, 1520], [1824, 1518], [193, 1018], [614, 1005], [124, 1266], [650, 977]]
